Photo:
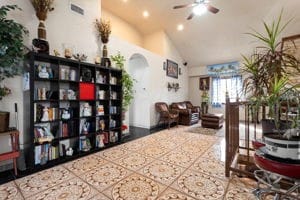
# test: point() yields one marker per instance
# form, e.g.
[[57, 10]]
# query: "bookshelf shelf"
[[61, 90]]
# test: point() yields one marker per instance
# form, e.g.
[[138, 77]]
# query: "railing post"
[[227, 137]]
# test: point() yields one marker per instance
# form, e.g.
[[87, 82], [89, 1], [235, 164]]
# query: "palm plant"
[[271, 58]]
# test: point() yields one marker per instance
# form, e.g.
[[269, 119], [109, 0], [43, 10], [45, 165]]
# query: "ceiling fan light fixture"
[[200, 9]]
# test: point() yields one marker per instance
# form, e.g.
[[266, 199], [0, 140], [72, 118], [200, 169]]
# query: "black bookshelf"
[[73, 105]]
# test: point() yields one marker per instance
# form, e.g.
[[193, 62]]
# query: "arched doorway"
[[139, 110]]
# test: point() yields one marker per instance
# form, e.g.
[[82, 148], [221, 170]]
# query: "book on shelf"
[[42, 133], [100, 140], [43, 113], [44, 153]]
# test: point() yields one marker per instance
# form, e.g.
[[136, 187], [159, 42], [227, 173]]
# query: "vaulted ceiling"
[[210, 38]]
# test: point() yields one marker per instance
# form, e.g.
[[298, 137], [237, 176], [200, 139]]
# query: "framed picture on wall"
[[291, 46], [172, 69], [204, 83]]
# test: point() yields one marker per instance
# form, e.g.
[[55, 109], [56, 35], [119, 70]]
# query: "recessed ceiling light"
[[125, 1], [146, 14], [199, 9], [180, 27]]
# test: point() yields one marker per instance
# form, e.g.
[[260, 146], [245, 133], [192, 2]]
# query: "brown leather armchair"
[[166, 115], [188, 114]]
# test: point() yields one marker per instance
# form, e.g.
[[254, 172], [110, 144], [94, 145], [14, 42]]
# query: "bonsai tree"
[[127, 81], [11, 47]]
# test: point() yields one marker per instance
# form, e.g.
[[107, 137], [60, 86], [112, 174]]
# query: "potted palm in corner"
[[267, 79], [11, 55]]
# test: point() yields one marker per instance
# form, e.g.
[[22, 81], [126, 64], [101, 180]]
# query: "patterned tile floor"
[[168, 165]]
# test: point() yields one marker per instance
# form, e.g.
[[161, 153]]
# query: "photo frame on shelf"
[[291, 45], [172, 69], [204, 83]]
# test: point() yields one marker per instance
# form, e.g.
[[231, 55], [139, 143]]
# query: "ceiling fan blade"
[[185, 6], [212, 9], [191, 16]]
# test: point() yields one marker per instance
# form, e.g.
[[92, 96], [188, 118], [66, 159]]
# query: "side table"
[[14, 153]]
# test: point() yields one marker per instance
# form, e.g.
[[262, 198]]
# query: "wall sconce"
[[180, 71], [174, 86]]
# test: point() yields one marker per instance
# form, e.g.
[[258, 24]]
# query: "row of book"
[[44, 153], [114, 110], [66, 129]]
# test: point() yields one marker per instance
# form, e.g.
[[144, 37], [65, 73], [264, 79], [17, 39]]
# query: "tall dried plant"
[[42, 5], [104, 29]]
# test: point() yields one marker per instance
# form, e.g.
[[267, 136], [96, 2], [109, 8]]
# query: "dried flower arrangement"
[[42, 7], [104, 29]]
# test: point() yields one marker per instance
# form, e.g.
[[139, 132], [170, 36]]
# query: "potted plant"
[[11, 54], [267, 79], [127, 81], [204, 101]]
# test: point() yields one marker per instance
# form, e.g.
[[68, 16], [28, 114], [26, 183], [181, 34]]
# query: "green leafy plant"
[[271, 60], [11, 47], [267, 72], [127, 81]]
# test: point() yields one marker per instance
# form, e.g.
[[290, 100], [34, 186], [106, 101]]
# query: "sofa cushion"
[[181, 105]]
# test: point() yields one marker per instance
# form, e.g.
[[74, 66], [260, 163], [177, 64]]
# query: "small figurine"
[[85, 128], [101, 142], [102, 124], [69, 151], [56, 53], [86, 110], [68, 53], [43, 72], [97, 60], [80, 57], [66, 114], [45, 115]]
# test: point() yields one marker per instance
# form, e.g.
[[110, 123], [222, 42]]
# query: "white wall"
[[122, 29]]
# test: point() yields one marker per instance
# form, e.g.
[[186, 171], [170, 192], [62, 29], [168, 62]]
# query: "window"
[[232, 84]]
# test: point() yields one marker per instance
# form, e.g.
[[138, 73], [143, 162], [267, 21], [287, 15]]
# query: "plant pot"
[[280, 147], [268, 126], [4, 121]]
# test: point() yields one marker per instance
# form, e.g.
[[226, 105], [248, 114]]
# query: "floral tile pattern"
[[180, 158], [43, 180], [168, 165], [113, 153], [69, 190], [210, 167], [134, 161], [200, 186], [171, 194], [136, 187], [84, 164], [9, 191], [105, 176], [162, 172]]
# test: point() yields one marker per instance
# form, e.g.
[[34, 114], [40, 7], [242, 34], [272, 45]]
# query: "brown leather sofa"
[[188, 114]]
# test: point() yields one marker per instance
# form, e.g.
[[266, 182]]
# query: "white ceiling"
[[210, 38]]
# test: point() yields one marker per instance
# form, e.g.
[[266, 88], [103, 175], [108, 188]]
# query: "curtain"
[[221, 85]]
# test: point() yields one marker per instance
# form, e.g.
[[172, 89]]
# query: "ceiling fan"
[[199, 7]]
